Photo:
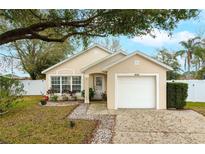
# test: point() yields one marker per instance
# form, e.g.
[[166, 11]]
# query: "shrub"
[[10, 92], [176, 95], [91, 93], [72, 93], [50, 92], [64, 97], [54, 98], [43, 102]]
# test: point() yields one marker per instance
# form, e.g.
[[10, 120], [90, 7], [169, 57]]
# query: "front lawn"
[[30, 123], [196, 106]]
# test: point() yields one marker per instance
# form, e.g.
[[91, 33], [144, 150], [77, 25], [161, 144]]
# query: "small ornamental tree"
[[10, 92]]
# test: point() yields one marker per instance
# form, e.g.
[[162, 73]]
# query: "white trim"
[[156, 75], [50, 75], [86, 97], [72, 57], [141, 54], [70, 69], [101, 60]]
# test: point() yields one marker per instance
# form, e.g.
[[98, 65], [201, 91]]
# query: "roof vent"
[[136, 62]]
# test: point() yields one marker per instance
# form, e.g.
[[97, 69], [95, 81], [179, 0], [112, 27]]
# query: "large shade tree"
[[36, 56], [58, 25]]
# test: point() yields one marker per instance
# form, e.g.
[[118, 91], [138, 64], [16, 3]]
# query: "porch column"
[[86, 99]]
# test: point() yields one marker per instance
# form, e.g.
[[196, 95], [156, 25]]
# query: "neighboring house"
[[130, 81]]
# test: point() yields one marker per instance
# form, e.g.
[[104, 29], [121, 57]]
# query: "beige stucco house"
[[130, 81]]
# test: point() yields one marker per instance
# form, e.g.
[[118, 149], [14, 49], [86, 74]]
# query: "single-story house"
[[130, 80]]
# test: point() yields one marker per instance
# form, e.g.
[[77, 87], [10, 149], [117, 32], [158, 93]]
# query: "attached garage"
[[136, 81], [136, 91]]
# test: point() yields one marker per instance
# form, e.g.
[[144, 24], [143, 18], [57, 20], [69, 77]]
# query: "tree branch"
[[31, 31], [9, 56]]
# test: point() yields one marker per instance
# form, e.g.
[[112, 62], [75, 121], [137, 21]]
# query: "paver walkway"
[[106, 123]]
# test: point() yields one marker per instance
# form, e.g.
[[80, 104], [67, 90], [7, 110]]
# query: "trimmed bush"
[[176, 95]]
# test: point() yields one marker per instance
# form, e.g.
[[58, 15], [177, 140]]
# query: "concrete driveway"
[[154, 126], [159, 126]]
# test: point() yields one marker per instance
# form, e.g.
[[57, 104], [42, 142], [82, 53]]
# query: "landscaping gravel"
[[63, 103], [104, 132]]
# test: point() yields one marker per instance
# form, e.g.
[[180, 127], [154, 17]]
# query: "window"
[[76, 83], [64, 83], [99, 81], [55, 84]]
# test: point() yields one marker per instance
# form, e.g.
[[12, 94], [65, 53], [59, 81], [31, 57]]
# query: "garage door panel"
[[136, 92]]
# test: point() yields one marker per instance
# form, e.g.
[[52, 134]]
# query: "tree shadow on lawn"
[[27, 124]]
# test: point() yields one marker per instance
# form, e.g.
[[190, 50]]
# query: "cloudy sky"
[[147, 44], [185, 30]]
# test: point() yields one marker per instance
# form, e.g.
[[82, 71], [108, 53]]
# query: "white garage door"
[[136, 92]]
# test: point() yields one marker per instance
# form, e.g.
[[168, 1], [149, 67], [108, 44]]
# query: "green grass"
[[29, 123], [27, 101], [196, 106]]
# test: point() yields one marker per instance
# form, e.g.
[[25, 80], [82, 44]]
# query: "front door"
[[99, 86]]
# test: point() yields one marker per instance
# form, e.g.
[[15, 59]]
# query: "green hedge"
[[176, 95]]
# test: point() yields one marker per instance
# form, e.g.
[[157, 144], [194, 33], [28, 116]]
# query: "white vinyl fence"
[[196, 90], [34, 87]]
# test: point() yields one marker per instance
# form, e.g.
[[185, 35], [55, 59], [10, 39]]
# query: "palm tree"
[[199, 57], [189, 49]]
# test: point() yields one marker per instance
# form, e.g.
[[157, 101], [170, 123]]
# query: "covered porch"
[[98, 83]]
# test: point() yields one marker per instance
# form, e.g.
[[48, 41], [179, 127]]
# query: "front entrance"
[[99, 86]]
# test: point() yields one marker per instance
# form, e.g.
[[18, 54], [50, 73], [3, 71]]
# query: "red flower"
[[45, 98]]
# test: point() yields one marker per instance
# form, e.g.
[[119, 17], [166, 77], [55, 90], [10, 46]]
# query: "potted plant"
[[104, 96], [91, 93], [43, 102]]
